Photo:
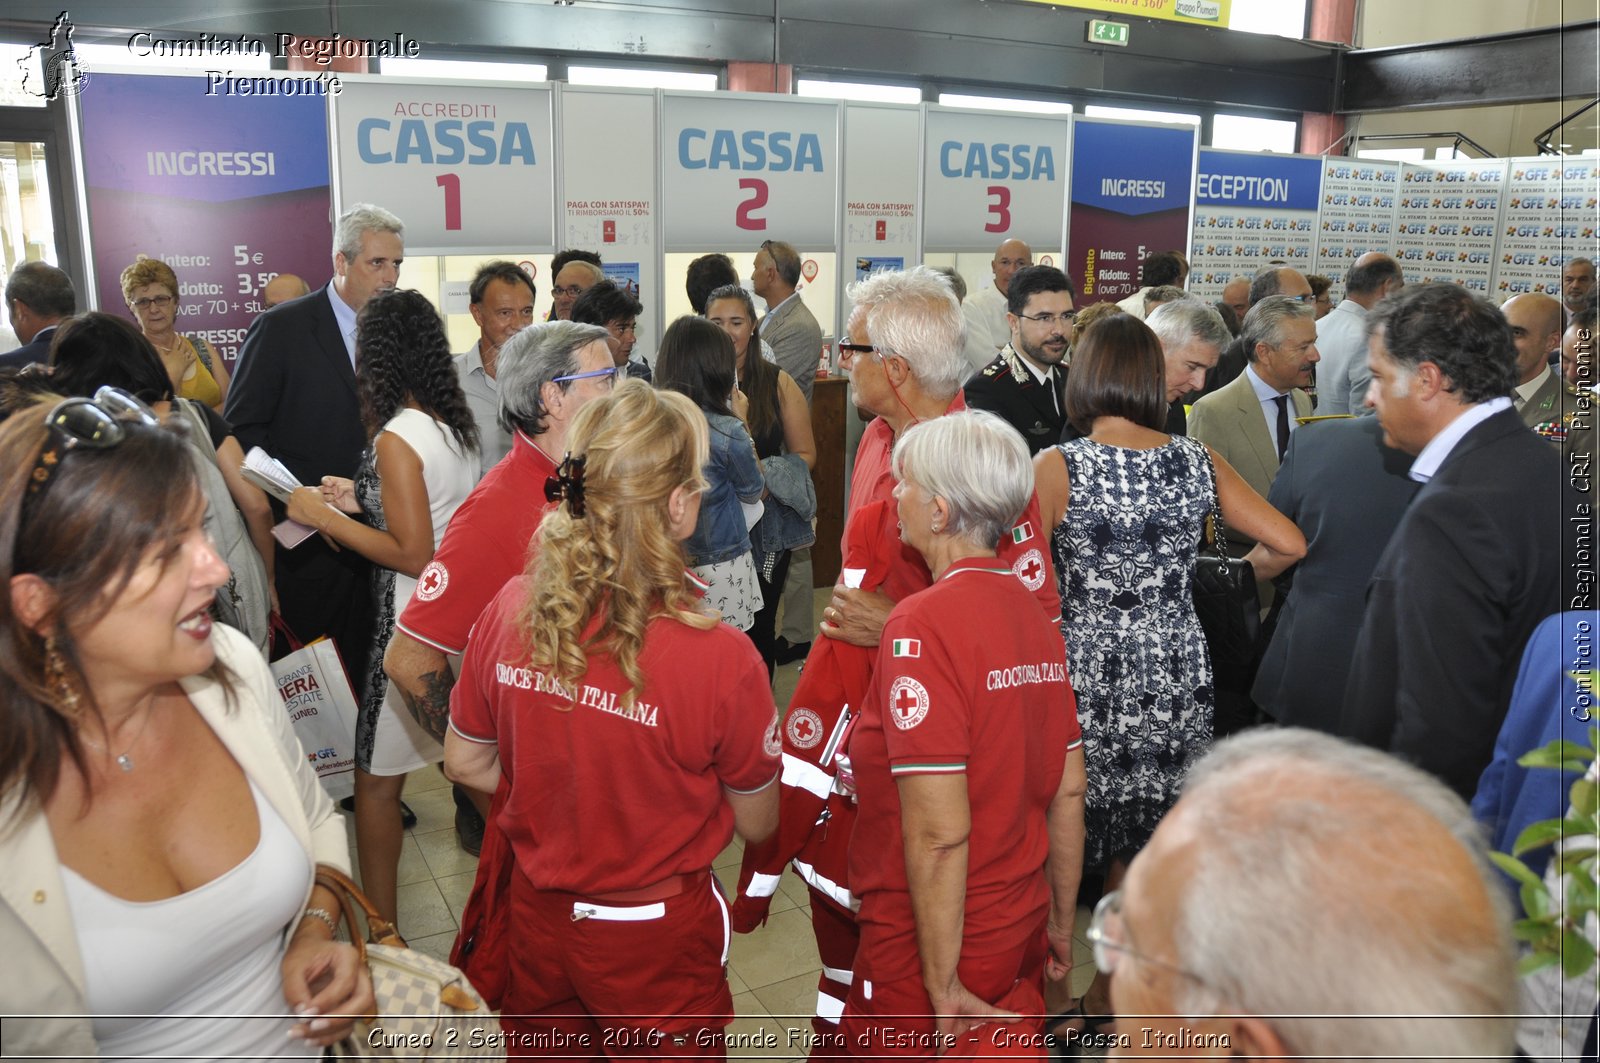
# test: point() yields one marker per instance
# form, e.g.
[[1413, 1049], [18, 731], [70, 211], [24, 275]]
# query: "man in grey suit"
[[1249, 420], [789, 329], [1346, 490], [1269, 280]]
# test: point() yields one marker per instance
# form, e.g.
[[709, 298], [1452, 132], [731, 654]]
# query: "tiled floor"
[[772, 972]]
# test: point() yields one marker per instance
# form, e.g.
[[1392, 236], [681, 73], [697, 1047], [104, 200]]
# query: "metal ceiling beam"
[[1528, 66], [999, 43], [1043, 48]]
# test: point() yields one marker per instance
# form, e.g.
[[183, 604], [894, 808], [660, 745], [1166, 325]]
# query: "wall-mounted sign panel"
[[469, 168], [741, 169], [1359, 200], [1132, 186], [611, 208], [992, 177], [228, 190], [1251, 209], [880, 190], [1446, 222], [1549, 216]]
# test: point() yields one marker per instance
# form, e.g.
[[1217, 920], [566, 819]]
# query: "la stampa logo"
[[52, 67]]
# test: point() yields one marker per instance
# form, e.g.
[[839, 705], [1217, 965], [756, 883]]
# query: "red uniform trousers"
[[895, 1018], [837, 936], [592, 979]]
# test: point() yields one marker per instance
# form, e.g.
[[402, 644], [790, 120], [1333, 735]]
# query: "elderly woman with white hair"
[[968, 766]]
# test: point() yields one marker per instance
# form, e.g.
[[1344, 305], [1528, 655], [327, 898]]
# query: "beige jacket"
[[41, 973]]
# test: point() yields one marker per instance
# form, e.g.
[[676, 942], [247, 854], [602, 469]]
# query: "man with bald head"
[[1269, 280], [574, 278], [1208, 940], [1237, 296], [1536, 324], [985, 309], [281, 289], [1342, 378]]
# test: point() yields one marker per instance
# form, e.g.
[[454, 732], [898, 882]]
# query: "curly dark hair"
[[1464, 335], [402, 353], [759, 377]]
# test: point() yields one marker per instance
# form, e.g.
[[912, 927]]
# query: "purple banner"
[[1131, 190], [228, 190]]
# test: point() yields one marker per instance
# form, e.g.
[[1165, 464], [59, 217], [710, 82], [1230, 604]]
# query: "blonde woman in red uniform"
[[636, 734], [969, 771]]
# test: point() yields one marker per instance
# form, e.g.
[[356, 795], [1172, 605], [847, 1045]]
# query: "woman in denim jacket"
[[697, 359], [780, 423]]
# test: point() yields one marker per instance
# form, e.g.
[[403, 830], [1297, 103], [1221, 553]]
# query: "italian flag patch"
[[1022, 532], [906, 648]]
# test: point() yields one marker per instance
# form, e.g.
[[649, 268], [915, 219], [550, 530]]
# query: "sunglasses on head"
[[99, 423]]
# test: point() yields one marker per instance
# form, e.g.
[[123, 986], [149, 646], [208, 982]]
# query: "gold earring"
[[56, 677]]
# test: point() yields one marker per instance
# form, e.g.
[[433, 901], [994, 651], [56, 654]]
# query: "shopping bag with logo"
[[322, 706]]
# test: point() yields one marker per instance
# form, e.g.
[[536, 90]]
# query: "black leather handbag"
[[1226, 601]]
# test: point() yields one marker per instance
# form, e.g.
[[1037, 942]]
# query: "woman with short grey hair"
[[968, 764]]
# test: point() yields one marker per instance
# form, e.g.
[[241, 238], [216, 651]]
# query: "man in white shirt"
[[1342, 335], [501, 297], [985, 309]]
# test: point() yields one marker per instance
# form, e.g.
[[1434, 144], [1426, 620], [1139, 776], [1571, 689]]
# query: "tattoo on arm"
[[431, 708]]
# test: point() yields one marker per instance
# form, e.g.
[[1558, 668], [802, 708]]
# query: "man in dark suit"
[[1025, 383], [1346, 490], [1476, 562], [38, 297], [294, 395]]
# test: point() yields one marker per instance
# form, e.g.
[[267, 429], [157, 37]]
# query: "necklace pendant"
[[125, 762]]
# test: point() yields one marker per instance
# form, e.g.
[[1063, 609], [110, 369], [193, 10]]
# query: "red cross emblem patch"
[[1029, 568], [804, 728], [432, 582], [908, 702]]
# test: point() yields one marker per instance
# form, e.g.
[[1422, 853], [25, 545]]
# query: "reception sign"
[[228, 190], [1251, 209]]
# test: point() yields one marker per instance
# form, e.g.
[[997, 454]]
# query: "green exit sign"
[[1103, 32]]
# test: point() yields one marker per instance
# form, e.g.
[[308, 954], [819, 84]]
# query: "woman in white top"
[[419, 467], [159, 824]]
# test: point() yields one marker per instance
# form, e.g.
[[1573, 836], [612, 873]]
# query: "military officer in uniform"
[[1025, 382]]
